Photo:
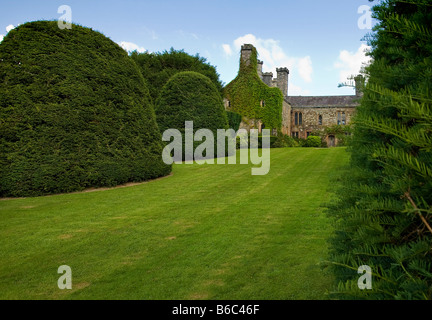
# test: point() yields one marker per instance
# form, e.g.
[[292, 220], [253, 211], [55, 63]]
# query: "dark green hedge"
[[158, 67], [74, 112], [284, 141], [190, 96]]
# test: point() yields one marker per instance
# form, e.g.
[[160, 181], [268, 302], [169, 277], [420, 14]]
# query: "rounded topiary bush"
[[313, 141], [191, 96], [74, 111]]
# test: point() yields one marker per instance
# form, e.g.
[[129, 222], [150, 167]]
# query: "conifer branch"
[[410, 199]]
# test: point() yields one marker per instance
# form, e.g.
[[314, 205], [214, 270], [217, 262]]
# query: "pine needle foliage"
[[383, 212]]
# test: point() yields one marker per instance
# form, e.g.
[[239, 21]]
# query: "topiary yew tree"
[[75, 112], [190, 96], [157, 68]]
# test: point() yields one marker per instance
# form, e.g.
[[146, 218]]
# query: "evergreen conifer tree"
[[383, 214]]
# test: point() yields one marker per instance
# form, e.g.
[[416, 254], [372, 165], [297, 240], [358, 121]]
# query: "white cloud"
[[129, 47], [273, 56], [305, 68], [227, 49], [9, 28], [350, 63], [294, 90]]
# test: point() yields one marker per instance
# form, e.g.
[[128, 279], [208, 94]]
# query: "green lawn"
[[206, 232]]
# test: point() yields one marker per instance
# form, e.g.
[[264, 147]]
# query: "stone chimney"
[[259, 69], [267, 78], [246, 54], [282, 80]]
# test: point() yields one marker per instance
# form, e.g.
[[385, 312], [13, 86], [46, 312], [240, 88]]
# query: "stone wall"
[[286, 118], [311, 119]]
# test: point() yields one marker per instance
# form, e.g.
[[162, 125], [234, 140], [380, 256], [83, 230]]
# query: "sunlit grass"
[[206, 232]]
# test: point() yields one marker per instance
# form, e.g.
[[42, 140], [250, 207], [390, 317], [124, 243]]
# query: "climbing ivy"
[[249, 96], [234, 120]]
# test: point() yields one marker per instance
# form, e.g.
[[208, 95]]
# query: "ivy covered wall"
[[249, 96]]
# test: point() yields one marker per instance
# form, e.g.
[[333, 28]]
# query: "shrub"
[[191, 96], [157, 68], [283, 141], [74, 112], [313, 141]]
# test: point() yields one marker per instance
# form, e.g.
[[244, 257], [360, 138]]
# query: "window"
[[320, 120], [295, 134], [308, 134], [341, 118], [298, 118], [262, 103]]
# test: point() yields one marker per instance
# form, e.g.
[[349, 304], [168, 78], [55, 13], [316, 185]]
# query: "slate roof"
[[322, 101]]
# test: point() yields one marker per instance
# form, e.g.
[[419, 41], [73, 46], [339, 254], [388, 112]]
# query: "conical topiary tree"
[[74, 112], [158, 67], [191, 96]]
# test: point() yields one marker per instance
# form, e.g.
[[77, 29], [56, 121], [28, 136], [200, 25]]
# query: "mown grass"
[[206, 232]]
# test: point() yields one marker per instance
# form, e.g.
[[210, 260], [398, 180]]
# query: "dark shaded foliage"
[[75, 112], [158, 68], [383, 214], [191, 96]]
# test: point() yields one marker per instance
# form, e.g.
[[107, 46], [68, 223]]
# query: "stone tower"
[[267, 78], [246, 54], [259, 68], [282, 80]]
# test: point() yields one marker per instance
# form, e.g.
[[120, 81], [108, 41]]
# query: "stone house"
[[300, 115]]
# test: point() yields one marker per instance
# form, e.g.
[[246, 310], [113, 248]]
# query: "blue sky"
[[319, 41]]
